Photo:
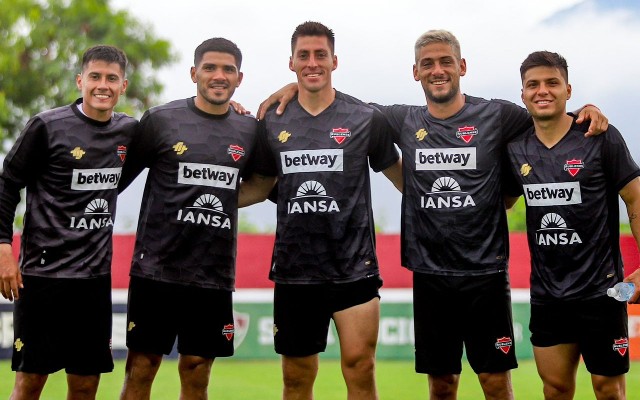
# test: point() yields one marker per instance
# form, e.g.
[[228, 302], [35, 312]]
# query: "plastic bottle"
[[622, 291]]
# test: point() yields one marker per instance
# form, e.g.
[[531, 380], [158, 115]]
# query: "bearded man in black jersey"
[[571, 187], [69, 159], [324, 263], [183, 267]]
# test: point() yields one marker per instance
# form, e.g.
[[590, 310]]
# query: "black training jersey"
[[453, 216], [187, 229], [571, 193], [325, 229], [70, 165]]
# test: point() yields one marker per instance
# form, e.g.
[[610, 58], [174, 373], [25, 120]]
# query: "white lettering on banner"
[[119, 331], [445, 159], [265, 331], [312, 161], [95, 179], [6, 330], [207, 175], [396, 331], [552, 194]]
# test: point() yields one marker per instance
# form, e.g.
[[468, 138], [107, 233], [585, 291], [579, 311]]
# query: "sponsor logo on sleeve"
[[340, 134], [552, 194], [445, 159], [95, 179], [312, 198], [421, 134], [573, 166], [283, 136], [554, 232], [446, 193], [207, 175], [121, 151], [77, 153], [236, 151], [466, 133], [330, 160], [206, 210], [96, 216]]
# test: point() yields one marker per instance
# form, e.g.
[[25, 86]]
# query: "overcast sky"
[[374, 45]]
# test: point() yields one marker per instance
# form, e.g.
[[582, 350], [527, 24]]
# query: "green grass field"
[[248, 380]]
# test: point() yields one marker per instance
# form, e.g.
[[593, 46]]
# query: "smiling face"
[[439, 70], [313, 62], [545, 92], [217, 78], [101, 84]]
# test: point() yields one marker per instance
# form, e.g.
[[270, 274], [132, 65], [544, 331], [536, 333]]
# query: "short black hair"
[[545, 59], [109, 54], [220, 45], [311, 28]]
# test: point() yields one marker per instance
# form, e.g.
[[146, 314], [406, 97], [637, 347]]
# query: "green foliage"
[[516, 217], [41, 44]]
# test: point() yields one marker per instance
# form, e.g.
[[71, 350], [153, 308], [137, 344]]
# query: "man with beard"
[[183, 268]]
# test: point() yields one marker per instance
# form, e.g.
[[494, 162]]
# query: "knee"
[[195, 371], [142, 367], [360, 365], [556, 388], [609, 388], [496, 385], [443, 386], [28, 386], [299, 375]]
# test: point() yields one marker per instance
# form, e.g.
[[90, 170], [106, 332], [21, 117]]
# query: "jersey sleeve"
[[264, 162], [140, 153], [382, 152], [395, 116], [22, 166], [515, 120], [619, 166], [510, 184]]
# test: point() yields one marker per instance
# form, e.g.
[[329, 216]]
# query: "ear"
[[240, 76], [291, 64], [193, 75], [79, 81], [568, 91], [415, 73], [522, 95], [463, 67], [124, 86], [335, 63]]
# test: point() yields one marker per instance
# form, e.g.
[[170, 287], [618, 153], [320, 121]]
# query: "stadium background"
[[253, 299]]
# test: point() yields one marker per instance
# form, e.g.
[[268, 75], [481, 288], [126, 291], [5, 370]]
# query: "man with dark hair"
[[571, 187], [183, 267], [324, 262], [69, 159]]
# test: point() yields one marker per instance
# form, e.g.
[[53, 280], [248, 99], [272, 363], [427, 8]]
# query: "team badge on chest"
[[466, 133], [122, 152], [573, 166], [340, 134], [235, 151]]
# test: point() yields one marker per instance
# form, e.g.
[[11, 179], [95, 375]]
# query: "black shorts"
[[302, 313], [63, 323], [201, 319], [598, 326], [452, 313]]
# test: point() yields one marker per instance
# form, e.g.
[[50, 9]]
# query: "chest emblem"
[[525, 169], [340, 134], [121, 151], [77, 153], [421, 134], [180, 148], [573, 166], [466, 133], [235, 151], [284, 136]]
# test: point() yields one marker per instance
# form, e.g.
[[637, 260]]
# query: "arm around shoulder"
[[256, 189]]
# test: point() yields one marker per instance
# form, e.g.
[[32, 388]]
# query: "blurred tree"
[[41, 43]]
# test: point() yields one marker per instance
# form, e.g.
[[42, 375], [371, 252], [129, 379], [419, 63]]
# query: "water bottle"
[[622, 291]]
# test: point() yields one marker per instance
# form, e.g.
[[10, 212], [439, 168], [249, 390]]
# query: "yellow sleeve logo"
[[283, 136]]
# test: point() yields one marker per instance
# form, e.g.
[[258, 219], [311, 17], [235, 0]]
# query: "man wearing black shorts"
[[69, 159], [324, 263], [183, 267], [571, 187]]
